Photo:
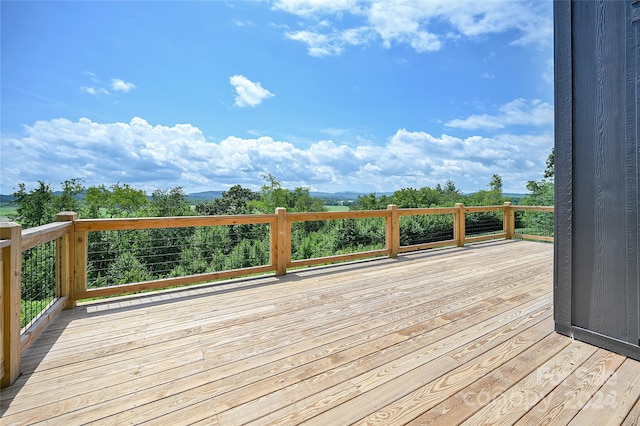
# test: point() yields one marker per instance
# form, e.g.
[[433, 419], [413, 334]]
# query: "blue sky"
[[334, 95]]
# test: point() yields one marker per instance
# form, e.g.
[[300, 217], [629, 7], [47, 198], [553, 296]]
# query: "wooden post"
[[509, 220], [80, 257], [459, 226], [273, 241], [65, 258], [11, 300], [393, 231], [282, 248]]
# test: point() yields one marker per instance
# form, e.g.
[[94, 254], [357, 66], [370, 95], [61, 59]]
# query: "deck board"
[[438, 337]]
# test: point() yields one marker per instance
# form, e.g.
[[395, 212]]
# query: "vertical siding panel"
[[597, 246], [563, 100], [584, 242], [632, 170], [600, 293]]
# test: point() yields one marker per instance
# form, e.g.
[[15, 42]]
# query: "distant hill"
[[344, 195], [6, 199], [204, 196]]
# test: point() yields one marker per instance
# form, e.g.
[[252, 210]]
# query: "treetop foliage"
[[40, 205], [541, 193], [439, 196]]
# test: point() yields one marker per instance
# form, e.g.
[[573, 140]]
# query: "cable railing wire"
[[483, 223], [537, 223], [39, 282], [126, 256], [316, 239], [422, 229]]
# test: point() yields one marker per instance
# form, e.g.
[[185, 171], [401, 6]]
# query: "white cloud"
[[318, 44], [313, 7], [330, 44], [117, 85], [424, 26], [248, 93], [154, 156], [95, 91], [516, 112], [121, 86]]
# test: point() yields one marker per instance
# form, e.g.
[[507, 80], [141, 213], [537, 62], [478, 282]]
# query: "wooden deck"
[[461, 335]]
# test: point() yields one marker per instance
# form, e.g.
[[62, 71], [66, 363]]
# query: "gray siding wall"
[[597, 283]]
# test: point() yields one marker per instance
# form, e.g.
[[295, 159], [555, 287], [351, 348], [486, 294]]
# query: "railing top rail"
[[4, 243], [122, 224], [480, 209], [353, 214], [427, 210], [33, 237], [534, 208]]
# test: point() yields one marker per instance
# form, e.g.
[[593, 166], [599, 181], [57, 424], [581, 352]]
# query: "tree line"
[[119, 257], [40, 205]]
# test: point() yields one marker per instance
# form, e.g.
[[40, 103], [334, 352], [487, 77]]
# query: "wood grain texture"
[[568, 398], [613, 402], [564, 146], [604, 275], [597, 278], [431, 337], [632, 169], [12, 265]]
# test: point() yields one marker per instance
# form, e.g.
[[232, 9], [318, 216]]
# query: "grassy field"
[[6, 211], [338, 208]]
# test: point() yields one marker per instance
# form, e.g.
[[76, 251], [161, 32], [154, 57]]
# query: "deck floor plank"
[[458, 407], [566, 400], [212, 388], [435, 337], [615, 399], [509, 407]]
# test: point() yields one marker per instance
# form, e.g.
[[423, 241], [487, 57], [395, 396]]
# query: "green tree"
[[273, 195], [38, 273], [406, 198], [165, 203], [449, 195], [233, 202], [541, 193], [69, 200], [309, 245], [491, 197], [96, 201], [425, 229], [496, 185], [161, 249], [119, 200], [304, 202], [248, 254], [349, 235], [428, 197], [35, 207], [550, 171], [127, 269], [371, 202], [125, 200]]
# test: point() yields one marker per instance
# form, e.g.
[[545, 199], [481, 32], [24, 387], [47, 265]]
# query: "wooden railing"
[[14, 241], [72, 236]]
